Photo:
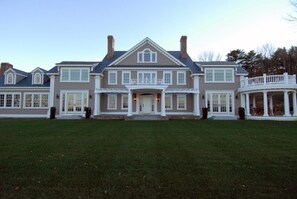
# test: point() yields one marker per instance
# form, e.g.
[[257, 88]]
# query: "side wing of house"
[[24, 94]]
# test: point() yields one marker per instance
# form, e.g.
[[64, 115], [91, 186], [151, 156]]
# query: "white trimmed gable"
[[37, 76], [150, 45], [10, 76]]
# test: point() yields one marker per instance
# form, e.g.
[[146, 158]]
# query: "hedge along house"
[[145, 80]]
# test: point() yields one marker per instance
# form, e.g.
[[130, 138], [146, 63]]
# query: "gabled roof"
[[25, 82], [106, 61], [18, 72], [39, 69], [142, 43]]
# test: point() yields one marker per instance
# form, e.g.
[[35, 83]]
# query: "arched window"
[[10, 78], [147, 56], [37, 78]]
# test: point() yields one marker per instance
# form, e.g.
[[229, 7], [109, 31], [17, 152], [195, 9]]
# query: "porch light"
[[90, 96], [57, 96], [134, 96], [158, 97], [203, 97], [236, 96]]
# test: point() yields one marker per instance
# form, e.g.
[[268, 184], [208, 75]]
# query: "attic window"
[[10, 78], [147, 56], [37, 78]]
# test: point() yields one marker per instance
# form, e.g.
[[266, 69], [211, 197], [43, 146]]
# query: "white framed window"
[[126, 77], [112, 77], [124, 101], [10, 100], [111, 101], [75, 75], [219, 75], [181, 102], [167, 77], [168, 101], [147, 56], [10, 78], [37, 78], [181, 78], [36, 100]]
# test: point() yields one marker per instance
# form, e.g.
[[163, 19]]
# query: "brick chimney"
[[4, 67], [183, 47], [110, 46]]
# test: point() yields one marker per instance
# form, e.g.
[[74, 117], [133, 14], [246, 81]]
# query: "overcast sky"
[[40, 33]]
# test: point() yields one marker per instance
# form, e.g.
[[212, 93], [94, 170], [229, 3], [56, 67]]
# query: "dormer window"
[[9, 78], [37, 78], [147, 56]]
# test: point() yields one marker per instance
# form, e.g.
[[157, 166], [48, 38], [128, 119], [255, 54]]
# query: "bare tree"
[[266, 52], [209, 56], [293, 17]]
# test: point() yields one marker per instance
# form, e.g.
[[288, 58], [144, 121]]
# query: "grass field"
[[147, 159]]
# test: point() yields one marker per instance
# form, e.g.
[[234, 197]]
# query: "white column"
[[163, 103], [247, 104], [254, 101], [286, 104], [51, 94], [271, 104], [137, 103], [242, 100], [265, 104], [97, 95], [286, 78], [196, 96], [129, 103], [294, 104], [264, 79]]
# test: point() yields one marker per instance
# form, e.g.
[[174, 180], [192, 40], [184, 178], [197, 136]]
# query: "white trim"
[[171, 102], [213, 75], [185, 78], [13, 76], [142, 43], [177, 101], [25, 88], [69, 74], [167, 72], [116, 78], [23, 115], [114, 113], [108, 101], [66, 92], [122, 101], [12, 100], [32, 100], [126, 72], [227, 92], [179, 113], [141, 53], [141, 68]]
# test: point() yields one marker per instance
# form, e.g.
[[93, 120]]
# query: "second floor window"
[[10, 78], [112, 77], [147, 56], [219, 75], [37, 78], [74, 75]]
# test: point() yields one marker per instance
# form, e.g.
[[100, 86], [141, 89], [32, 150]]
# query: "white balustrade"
[[146, 81]]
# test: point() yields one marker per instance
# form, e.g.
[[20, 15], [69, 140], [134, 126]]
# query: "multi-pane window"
[[219, 75], [181, 78], [167, 77], [124, 101], [168, 102], [126, 77], [75, 75], [112, 77], [36, 100], [10, 78], [181, 102], [10, 100], [112, 101], [37, 78], [147, 56]]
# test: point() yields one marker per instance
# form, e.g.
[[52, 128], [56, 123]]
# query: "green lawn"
[[147, 159]]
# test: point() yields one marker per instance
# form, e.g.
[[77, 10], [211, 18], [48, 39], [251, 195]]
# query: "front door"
[[146, 106]]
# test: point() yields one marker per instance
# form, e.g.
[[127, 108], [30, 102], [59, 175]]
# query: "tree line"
[[267, 60]]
